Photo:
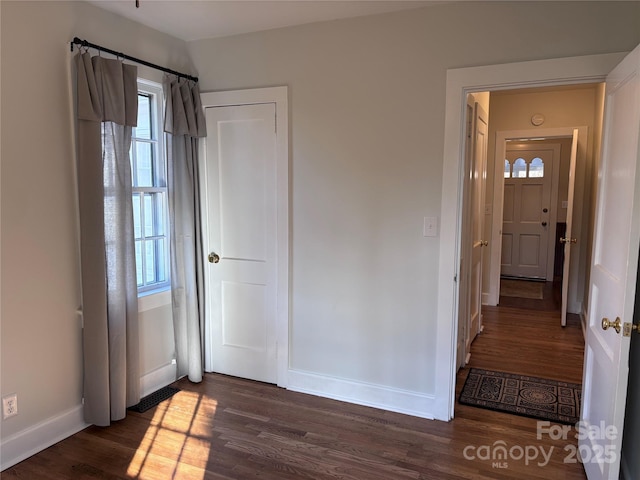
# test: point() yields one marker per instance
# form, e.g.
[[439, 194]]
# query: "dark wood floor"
[[229, 428]]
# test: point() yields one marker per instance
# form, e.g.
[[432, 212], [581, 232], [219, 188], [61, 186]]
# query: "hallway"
[[524, 336]]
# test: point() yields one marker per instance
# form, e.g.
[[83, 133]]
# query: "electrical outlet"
[[9, 406]]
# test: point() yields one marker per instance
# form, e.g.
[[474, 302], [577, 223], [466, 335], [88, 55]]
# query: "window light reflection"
[[178, 439]]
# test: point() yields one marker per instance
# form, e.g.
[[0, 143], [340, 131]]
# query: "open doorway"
[[528, 172], [619, 144]]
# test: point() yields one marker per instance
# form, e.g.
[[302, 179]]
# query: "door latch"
[[628, 328]]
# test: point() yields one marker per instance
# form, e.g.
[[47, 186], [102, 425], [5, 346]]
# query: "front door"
[[241, 195], [613, 274], [527, 212]]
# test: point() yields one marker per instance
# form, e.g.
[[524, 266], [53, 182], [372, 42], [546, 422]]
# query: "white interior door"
[[241, 193], [478, 187], [462, 353], [613, 272], [527, 212], [568, 240]]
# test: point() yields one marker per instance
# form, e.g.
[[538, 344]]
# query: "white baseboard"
[[158, 378], [370, 395], [486, 299], [32, 440]]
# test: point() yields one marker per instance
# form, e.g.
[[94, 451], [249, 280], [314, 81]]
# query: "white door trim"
[[278, 96], [460, 82], [498, 196]]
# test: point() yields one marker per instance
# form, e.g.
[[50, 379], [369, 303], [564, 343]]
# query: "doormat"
[[523, 395], [521, 288], [154, 399]]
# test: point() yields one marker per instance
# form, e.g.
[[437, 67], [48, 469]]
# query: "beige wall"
[[367, 108], [563, 107], [41, 337]]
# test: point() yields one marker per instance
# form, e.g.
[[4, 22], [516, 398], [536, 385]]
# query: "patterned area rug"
[[522, 395]]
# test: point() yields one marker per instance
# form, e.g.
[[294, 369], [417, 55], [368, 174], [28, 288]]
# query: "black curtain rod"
[[84, 43]]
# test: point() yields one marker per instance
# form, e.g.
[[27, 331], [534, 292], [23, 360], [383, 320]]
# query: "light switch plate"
[[430, 228]]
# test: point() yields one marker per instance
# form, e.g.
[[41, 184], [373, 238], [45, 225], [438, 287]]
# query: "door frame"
[[493, 295], [460, 82], [279, 97]]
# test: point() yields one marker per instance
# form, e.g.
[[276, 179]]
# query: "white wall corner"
[[575, 307], [32, 440], [158, 378], [370, 395]]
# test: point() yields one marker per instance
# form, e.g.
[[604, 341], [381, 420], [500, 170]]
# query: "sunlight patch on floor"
[[177, 441]]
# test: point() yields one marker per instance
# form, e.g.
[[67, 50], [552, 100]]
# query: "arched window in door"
[[536, 168], [519, 168]]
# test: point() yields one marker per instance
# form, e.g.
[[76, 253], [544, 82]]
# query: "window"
[[536, 168], [149, 178], [522, 169]]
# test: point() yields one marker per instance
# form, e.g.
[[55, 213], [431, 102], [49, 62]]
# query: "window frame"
[[158, 141]]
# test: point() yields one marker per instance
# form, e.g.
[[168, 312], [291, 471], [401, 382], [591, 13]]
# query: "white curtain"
[[184, 125], [107, 106]]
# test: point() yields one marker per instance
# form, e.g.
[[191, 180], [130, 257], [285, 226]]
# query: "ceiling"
[[197, 19]]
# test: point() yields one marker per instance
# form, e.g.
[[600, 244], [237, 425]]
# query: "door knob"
[[484, 243], [544, 224], [214, 257], [617, 325]]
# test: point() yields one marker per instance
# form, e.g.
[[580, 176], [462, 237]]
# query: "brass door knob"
[[214, 257], [568, 240], [617, 324], [484, 243]]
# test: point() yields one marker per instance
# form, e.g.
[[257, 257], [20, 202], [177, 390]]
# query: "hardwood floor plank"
[[230, 428]]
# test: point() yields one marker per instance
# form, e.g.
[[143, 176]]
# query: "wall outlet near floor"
[[9, 405]]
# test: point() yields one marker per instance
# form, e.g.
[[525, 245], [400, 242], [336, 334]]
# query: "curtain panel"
[[107, 107], [185, 124]]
